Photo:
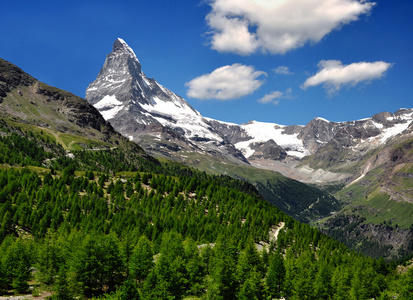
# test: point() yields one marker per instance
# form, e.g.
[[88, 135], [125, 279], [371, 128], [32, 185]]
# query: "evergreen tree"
[[222, 282], [89, 268], [406, 291], [252, 288], [113, 267], [128, 291], [276, 276], [194, 268], [6, 225], [248, 260], [322, 284], [3, 278], [61, 287], [17, 262], [170, 267], [141, 261]]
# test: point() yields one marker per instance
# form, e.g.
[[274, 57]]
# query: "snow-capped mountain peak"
[[121, 46], [139, 106]]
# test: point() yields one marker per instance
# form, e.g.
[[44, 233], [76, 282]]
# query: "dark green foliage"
[[276, 276], [18, 150], [88, 231], [141, 261], [17, 259], [252, 287], [98, 264], [61, 287], [128, 291], [222, 282], [3, 278], [304, 203], [407, 286]]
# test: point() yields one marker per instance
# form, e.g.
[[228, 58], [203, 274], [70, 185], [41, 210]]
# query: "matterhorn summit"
[[146, 112]]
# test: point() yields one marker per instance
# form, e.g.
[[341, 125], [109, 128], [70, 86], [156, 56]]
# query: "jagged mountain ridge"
[[165, 124]]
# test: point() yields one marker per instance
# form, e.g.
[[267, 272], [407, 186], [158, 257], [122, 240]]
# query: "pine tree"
[[222, 282], [248, 259], [194, 268], [252, 288], [61, 287], [19, 260], [89, 267], [6, 225], [3, 278], [141, 261], [21, 277], [113, 267], [170, 266], [322, 284], [128, 291], [407, 285], [276, 276]]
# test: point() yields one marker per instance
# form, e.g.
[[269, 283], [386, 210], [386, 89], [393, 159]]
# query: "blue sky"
[[280, 61]]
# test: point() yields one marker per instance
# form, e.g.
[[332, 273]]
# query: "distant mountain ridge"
[[166, 125]]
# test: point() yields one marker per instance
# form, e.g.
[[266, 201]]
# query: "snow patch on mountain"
[[109, 106], [262, 132], [393, 131]]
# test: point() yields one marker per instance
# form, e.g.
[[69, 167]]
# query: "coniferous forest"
[[116, 224]]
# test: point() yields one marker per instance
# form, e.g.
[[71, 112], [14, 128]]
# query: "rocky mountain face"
[[145, 111], [352, 140]]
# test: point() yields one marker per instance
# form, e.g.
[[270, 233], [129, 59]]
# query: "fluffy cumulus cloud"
[[225, 83], [333, 74], [274, 97], [277, 26]]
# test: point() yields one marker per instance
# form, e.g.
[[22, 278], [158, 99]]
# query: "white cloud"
[[333, 74], [233, 35], [283, 70], [224, 83], [274, 96], [277, 26], [270, 97]]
